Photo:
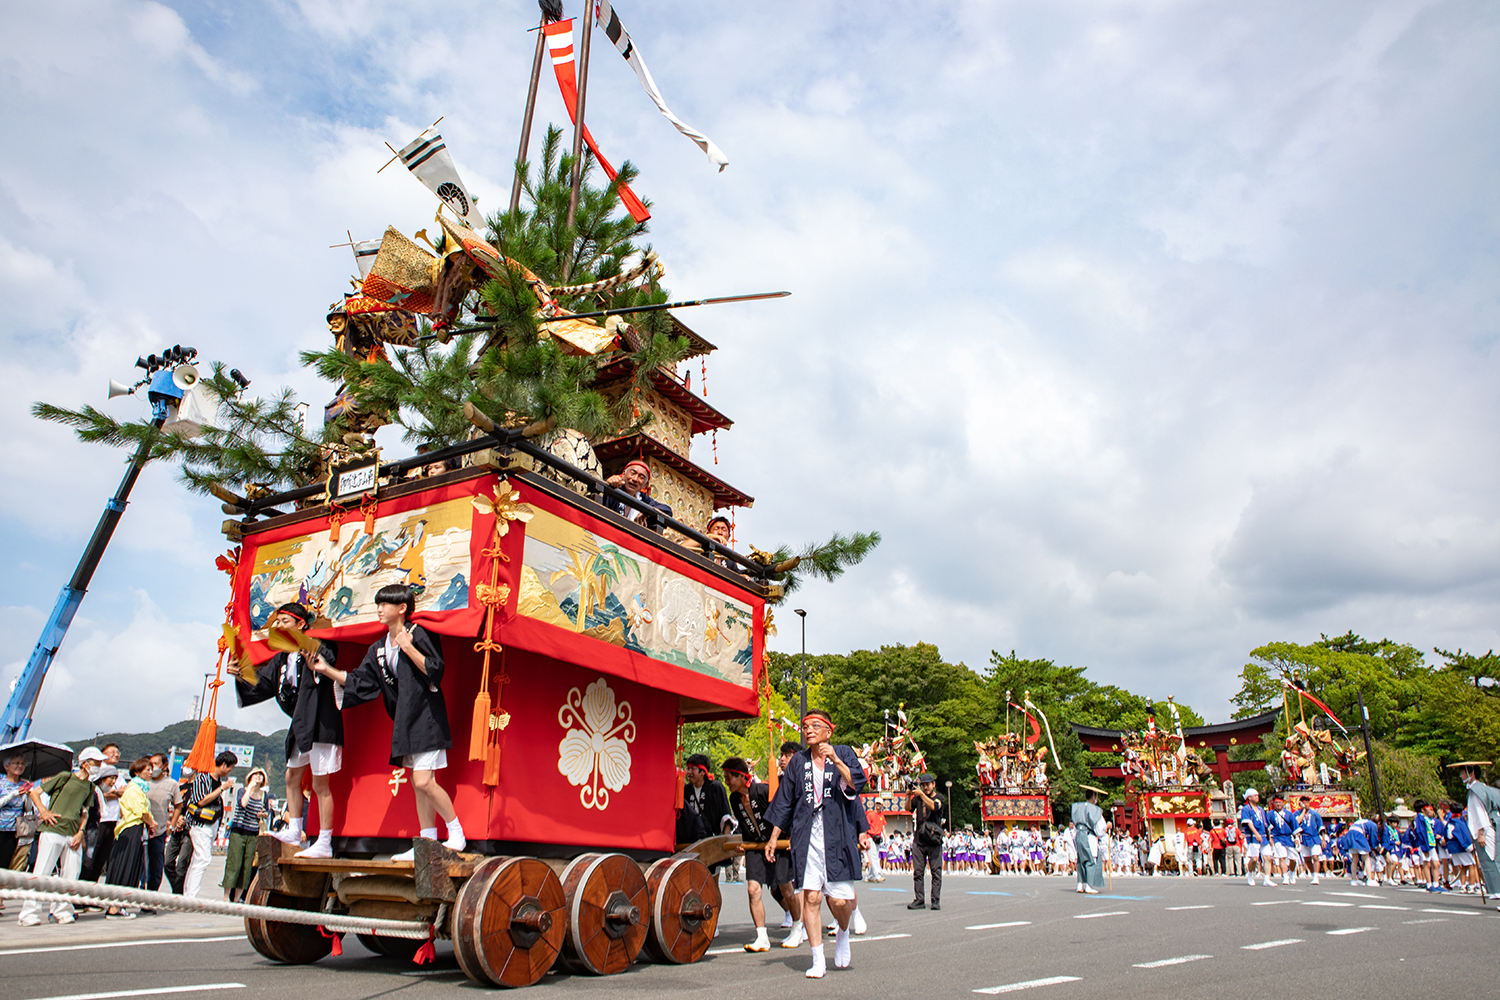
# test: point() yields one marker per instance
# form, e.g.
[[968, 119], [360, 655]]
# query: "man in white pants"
[[60, 836], [204, 809]]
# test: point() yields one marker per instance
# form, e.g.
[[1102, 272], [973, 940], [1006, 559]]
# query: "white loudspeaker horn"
[[116, 389], [185, 376]]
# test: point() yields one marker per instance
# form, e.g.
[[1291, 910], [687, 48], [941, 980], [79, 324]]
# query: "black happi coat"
[[693, 826], [753, 826], [312, 703], [792, 811], [413, 700]]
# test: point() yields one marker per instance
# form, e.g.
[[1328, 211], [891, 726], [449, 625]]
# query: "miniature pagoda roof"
[[644, 446], [704, 417], [697, 346], [1253, 728]]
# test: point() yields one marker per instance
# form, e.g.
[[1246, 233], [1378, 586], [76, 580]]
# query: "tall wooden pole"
[[536, 75], [583, 91]]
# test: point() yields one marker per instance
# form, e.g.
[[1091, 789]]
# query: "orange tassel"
[[479, 734]]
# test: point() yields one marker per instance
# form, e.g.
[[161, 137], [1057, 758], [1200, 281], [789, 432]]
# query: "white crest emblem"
[[594, 754]]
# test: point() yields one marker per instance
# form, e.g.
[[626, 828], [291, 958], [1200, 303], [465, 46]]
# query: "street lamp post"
[[949, 786], [803, 615]]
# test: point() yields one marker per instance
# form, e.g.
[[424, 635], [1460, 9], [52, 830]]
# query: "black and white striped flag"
[[427, 158], [610, 22]]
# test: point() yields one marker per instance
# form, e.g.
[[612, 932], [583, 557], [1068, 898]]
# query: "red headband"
[[818, 715], [643, 466], [742, 774]]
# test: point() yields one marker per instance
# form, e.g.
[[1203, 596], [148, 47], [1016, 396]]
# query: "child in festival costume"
[[315, 738], [405, 670]]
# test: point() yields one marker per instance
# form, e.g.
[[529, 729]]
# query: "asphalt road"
[[1149, 936]]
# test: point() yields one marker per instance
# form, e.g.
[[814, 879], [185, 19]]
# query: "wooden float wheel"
[[509, 921], [293, 944], [685, 905], [607, 907]]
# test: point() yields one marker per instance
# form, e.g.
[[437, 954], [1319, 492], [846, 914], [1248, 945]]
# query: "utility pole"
[[1370, 758], [803, 615]]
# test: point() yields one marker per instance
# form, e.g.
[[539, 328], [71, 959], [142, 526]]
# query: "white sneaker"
[[857, 922], [841, 954], [65, 919], [819, 968], [796, 937]]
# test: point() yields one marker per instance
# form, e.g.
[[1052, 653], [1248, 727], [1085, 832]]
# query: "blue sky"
[[1145, 332]]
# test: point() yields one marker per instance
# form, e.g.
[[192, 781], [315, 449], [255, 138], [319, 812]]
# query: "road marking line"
[[1200, 906], [148, 993], [1111, 913], [1029, 984], [1273, 902], [1375, 906], [971, 893], [118, 944], [1171, 961], [987, 927], [1352, 930], [1461, 913], [1429, 920], [1357, 895], [1323, 902], [740, 950], [1269, 944]]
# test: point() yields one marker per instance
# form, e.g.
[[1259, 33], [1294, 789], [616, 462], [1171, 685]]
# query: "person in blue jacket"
[[1257, 843], [1310, 835], [1461, 849], [1281, 825], [1363, 835], [1425, 835]]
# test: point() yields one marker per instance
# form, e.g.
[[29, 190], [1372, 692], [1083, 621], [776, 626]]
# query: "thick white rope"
[[24, 885]]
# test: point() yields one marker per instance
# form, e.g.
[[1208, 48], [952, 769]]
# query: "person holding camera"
[[926, 807], [205, 807]]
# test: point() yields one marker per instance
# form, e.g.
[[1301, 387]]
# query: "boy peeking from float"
[[404, 669]]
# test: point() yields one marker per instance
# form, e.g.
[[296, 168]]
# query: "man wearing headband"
[[705, 807], [635, 479], [315, 738], [818, 802], [748, 801], [1484, 820]]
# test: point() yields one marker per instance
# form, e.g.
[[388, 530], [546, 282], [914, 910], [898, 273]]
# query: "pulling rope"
[[23, 885]]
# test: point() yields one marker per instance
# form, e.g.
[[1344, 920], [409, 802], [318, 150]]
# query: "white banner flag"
[[364, 256], [610, 22], [427, 158]]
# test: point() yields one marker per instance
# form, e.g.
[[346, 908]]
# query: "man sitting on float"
[[635, 479]]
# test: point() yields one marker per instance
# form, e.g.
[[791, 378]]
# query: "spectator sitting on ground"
[[635, 479]]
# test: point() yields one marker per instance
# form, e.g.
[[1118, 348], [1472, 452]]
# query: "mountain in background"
[[270, 751]]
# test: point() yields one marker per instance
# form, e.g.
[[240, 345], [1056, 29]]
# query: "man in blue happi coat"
[[818, 803]]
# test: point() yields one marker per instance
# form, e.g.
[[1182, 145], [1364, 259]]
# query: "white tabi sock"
[[819, 964], [455, 841], [841, 954], [428, 833]]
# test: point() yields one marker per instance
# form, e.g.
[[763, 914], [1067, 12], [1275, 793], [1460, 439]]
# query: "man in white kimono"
[[1484, 819]]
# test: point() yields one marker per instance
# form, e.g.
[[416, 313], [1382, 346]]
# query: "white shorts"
[[1462, 859], [1443, 854], [325, 758], [1281, 852], [431, 760], [1429, 855], [1252, 849], [1312, 850]]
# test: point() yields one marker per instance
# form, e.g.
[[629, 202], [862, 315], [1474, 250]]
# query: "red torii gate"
[[1217, 738]]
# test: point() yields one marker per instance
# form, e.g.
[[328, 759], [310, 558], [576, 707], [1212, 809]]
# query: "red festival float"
[[1168, 777]]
